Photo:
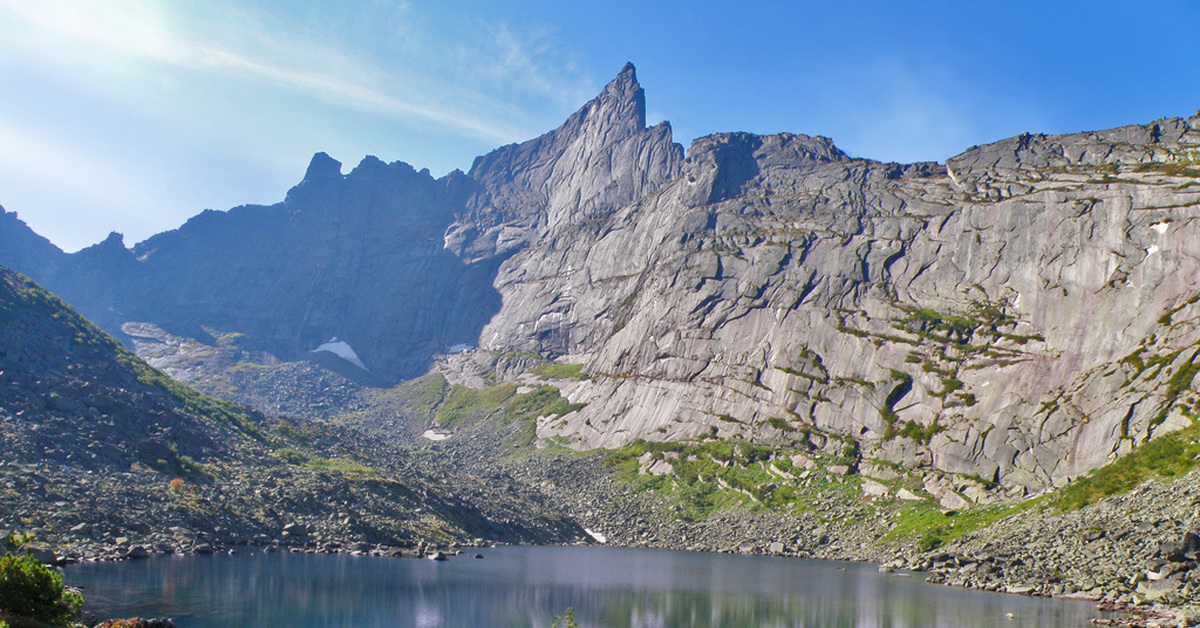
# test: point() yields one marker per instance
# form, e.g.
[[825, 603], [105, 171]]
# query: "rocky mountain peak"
[[719, 166], [602, 157], [115, 239], [323, 168], [622, 104]]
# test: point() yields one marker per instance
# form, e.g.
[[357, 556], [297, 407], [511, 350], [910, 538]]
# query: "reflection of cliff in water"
[[527, 586]]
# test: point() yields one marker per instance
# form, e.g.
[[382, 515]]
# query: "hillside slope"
[[95, 445]]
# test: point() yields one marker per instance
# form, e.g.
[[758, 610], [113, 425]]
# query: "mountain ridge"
[[973, 318]]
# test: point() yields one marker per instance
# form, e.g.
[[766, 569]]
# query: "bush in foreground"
[[32, 594]]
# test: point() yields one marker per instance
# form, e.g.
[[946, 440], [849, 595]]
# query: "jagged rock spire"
[[601, 157]]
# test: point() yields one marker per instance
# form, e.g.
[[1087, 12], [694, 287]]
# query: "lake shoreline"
[[1129, 615], [791, 586]]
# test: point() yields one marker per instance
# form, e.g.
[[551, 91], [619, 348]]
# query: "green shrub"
[[566, 621], [780, 424], [31, 592], [290, 456]]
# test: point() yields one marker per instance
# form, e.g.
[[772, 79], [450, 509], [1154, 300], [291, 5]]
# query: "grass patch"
[[419, 396], [1182, 168], [527, 407], [339, 465], [712, 475], [554, 370], [464, 405], [290, 456], [1168, 456], [931, 528]]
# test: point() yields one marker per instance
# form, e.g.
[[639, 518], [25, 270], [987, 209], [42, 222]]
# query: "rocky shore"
[[1136, 554]]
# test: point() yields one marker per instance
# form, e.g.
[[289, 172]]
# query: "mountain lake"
[[529, 586]]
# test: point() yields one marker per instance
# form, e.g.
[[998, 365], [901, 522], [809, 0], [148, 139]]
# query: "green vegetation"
[[464, 405], [888, 412], [780, 424], [566, 620], [461, 406], [1170, 456], [339, 465], [1179, 382], [348, 468], [290, 456], [1180, 168], [420, 397], [983, 318], [918, 433], [527, 407], [931, 527], [32, 594], [541, 401], [553, 370], [712, 475], [1167, 316], [19, 293]]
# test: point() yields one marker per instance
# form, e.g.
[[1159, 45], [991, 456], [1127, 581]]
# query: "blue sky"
[[132, 115]]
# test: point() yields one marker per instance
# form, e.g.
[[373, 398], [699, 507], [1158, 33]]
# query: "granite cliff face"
[[393, 263], [1018, 315]]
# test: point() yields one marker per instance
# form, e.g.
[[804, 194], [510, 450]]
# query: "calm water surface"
[[527, 586]]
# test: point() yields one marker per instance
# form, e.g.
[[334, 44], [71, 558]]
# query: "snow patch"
[[460, 347], [1152, 250], [1161, 227], [600, 538], [341, 349], [435, 436]]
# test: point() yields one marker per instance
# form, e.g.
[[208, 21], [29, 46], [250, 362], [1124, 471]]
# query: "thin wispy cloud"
[[139, 31], [533, 58], [165, 108]]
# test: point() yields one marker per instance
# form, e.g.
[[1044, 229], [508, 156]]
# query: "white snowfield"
[[432, 435], [341, 349]]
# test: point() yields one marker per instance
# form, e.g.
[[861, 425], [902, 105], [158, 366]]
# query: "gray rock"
[[761, 277]]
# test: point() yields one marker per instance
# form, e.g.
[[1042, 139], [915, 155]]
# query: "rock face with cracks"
[[1020, 314]]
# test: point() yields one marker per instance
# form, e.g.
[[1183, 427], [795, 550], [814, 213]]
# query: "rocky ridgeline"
[[1023, 313]]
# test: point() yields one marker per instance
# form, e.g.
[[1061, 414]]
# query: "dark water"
[[528, 586]]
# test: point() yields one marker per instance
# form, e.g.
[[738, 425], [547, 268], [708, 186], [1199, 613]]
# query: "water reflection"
[[518, 586]]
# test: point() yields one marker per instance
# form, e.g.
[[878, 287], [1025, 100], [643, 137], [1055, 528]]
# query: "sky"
[[133, 115]]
